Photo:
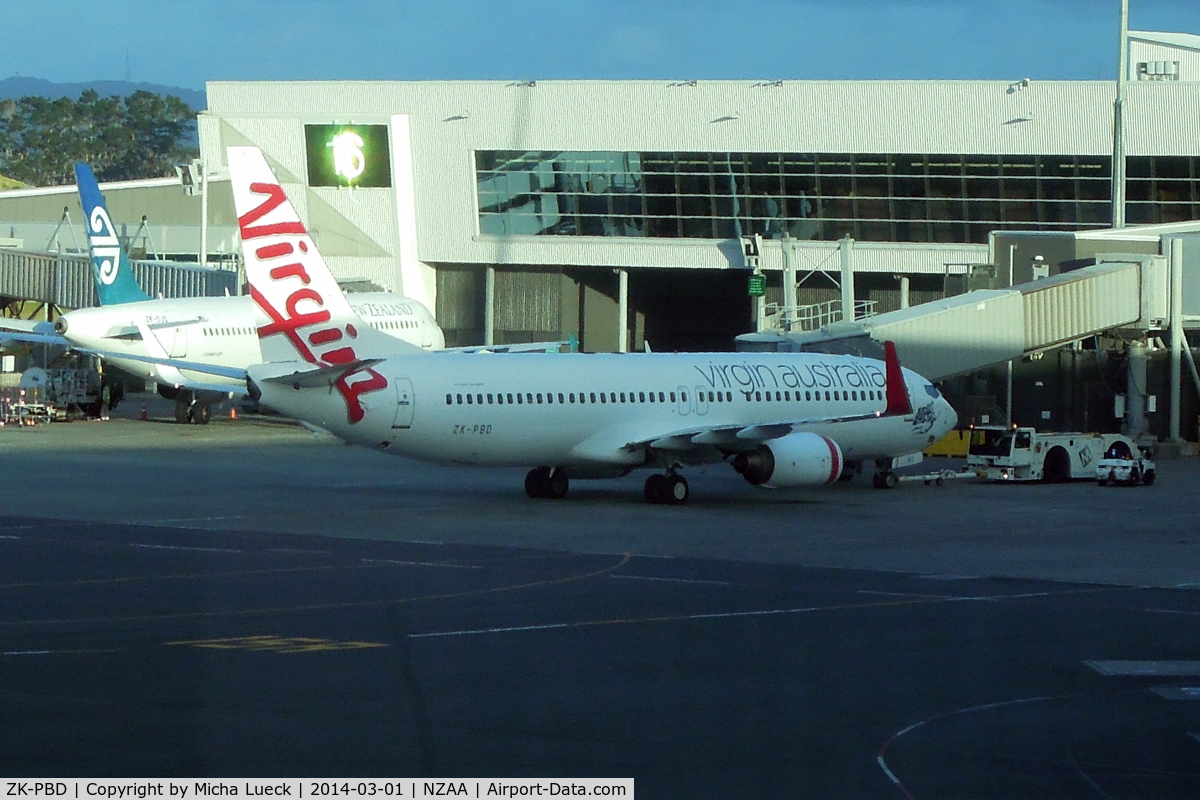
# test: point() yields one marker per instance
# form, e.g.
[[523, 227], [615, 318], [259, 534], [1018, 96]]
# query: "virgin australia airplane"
[[128, 324], [780, 419]]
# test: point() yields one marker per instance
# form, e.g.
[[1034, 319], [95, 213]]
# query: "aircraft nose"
[[947, 415]]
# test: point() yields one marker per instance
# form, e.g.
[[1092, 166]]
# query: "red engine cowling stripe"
[[835, 470]]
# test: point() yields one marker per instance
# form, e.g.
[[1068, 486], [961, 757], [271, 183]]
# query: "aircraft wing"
[[32, 331], [734, 437], [569, 345]]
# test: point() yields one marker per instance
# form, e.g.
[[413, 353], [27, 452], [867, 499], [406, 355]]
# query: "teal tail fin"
[[115, 282]]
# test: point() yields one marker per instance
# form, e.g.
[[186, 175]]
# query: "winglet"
[[898, 402]]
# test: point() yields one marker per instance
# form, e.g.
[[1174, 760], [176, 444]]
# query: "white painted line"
[[597, 623], [669, 580], [10, 537], [1171, 611], [176, 547], [420, 563], [1177, 692], [302, 552], [913, 594], [1146, 668], [17, 528], [187, 519]]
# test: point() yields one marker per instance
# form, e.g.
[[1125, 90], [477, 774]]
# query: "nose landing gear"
[[547, 482]]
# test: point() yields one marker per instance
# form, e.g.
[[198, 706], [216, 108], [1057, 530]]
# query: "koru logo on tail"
[[106, 249]]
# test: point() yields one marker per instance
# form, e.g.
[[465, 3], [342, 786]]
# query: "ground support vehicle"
[[1124, 465], [1024, 454]]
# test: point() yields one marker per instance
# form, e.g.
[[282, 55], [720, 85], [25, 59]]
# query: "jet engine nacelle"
[[798, 459]]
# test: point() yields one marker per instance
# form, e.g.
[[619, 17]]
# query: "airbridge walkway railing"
[[66, 280]]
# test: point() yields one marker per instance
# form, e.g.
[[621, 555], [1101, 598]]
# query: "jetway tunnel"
[[1123, 311]]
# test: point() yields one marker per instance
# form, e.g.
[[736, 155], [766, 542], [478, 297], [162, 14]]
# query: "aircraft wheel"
[[654, 488], [557, 484], [674, 490], [182, 413], [201, 412], [537, 482], [890, 480], [1148, 478]]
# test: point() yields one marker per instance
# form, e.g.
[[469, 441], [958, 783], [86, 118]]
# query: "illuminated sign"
[[348, 155]]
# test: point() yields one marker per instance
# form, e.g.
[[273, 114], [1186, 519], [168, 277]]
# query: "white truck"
[[1023, 454]]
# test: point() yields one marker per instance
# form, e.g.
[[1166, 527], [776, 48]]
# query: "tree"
[[140, 136]]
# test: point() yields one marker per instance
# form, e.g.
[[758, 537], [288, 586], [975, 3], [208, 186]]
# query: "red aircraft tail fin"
[[898, 402]]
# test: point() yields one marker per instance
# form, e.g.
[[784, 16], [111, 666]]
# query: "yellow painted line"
[[245, 612]]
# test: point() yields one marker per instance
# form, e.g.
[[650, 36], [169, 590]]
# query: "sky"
[[184, 43]]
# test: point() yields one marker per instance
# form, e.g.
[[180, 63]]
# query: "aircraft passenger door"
[[685, 401], [174, 341], [426, 333], [404, 403], [701, 401]]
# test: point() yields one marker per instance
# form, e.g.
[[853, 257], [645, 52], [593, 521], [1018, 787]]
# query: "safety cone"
[[233, 412], [144, 417]]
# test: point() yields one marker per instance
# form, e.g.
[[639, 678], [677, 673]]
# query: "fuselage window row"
[[564, 398]]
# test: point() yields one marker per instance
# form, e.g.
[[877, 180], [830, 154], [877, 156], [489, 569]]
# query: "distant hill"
[[9, 183], [16, 87]]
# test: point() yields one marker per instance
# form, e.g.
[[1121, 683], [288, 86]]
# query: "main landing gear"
[[190, 408], [547, 482], [670, 489]]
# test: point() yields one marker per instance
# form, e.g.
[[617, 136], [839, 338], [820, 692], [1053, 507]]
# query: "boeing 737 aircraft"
[[216, 330], [780, 419]]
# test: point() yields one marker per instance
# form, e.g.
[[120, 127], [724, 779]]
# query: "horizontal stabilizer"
[[322, 376]]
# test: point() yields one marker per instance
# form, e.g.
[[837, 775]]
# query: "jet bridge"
[[66, 280], [981, 328]]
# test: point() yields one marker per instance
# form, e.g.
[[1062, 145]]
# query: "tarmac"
[[250, 599]]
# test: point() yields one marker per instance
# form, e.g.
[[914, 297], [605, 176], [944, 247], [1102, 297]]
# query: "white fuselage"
[[221, 331], [580, 411]]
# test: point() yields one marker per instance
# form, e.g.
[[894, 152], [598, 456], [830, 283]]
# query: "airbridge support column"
[[846, 246], [1135, 391], [1178, 342], [489, 306]]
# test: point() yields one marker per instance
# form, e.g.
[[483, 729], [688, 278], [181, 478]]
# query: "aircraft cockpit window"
[[932, 391]]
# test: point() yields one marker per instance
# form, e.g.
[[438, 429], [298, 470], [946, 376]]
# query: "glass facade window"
[[872, 197], [1161, 189]]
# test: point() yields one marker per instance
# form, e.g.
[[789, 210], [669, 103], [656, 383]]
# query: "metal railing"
[[815, 316], [66, 281]]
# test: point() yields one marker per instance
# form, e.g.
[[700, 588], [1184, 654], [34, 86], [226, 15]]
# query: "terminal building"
[[620, 211]]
